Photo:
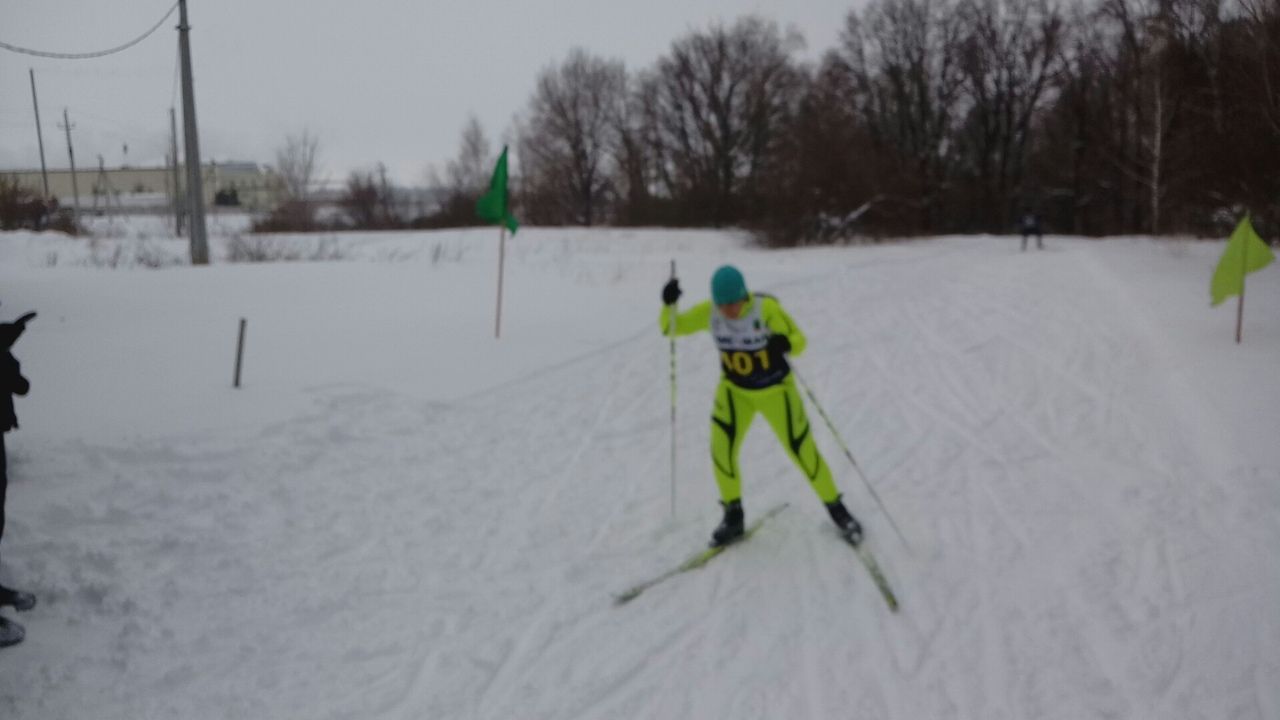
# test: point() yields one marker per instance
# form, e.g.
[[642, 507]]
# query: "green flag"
[[494, 206], [1245, 253]]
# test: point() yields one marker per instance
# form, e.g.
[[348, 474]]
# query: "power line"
[[86, 56]]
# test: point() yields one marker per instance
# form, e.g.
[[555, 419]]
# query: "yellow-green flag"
[[494, 206], [1245, 253]]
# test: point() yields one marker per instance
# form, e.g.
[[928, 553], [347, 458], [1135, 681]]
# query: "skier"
[[1031, 226], [11, 383], [754, 335]]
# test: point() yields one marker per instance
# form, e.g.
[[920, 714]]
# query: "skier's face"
[[732, 310]]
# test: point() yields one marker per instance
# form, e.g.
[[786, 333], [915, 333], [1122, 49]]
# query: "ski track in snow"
[[1077, 551]]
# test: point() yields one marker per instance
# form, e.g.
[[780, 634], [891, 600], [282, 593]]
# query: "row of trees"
[[1103, 117], [1115, 116]]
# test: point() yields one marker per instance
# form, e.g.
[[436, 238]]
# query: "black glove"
[[671, 292], [778, 345], [9, 332]]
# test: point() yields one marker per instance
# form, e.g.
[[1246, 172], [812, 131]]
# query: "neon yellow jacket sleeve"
[[695, 319], [780, 323]]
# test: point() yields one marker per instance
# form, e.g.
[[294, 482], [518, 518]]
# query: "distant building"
[[239, 184]]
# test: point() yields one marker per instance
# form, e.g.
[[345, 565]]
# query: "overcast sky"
[[380, 80]]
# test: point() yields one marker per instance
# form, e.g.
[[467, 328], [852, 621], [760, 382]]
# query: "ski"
[[695, 561], [873, 568]]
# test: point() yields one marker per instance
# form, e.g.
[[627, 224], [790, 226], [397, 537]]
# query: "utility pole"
[[102, 187], [177, 183], [100, 184], [75, 189], [44, 171], [195, 189]]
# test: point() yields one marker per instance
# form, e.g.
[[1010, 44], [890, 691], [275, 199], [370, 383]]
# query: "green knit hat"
[[727, 286]]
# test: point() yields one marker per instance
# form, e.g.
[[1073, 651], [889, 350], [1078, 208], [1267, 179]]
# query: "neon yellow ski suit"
[[752, 380]]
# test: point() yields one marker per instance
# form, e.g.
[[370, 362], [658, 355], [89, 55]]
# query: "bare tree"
[[468, 173], [570, 132], [902, 57], [827, 174], [722, 98], [462, 182], [369, 200], [1262, 18], [1007, 55], [1152, 145], [1251, 54], [636, 153], [296, 163], [1067, 152]]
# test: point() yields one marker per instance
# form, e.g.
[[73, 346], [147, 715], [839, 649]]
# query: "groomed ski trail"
[[385, 557]]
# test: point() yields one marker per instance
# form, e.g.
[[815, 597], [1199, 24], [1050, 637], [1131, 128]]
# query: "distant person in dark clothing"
[[1031, 226], [11, 383]]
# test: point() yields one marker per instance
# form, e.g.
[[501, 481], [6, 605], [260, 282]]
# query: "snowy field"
[[398, 516]]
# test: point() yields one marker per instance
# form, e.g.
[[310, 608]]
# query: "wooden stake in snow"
[[239, 353]]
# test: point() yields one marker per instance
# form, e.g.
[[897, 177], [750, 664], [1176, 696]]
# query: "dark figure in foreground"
[[11, 383]]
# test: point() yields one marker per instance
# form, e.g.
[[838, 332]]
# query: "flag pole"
[[502, 252], [1244, 270]]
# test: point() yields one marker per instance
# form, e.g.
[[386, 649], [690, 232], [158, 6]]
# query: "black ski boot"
[[16, 599], [731, 528], [848, 524]]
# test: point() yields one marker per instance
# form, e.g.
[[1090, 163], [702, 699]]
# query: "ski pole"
[[672, 326], [840, 441]]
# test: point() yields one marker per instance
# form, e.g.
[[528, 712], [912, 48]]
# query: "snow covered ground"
[[398, 516]]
